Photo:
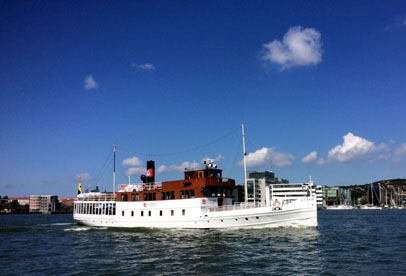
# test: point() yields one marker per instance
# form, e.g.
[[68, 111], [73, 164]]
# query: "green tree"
[[22, 209], [14, 205]]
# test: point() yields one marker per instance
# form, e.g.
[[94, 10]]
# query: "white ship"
[[203, 199]]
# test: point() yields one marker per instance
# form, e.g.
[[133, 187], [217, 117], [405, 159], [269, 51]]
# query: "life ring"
[[122, 187], [144, 186], [155, 185], [276, 203]]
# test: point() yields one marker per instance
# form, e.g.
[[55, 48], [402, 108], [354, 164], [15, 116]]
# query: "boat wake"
[[79, 229], [57, 224]]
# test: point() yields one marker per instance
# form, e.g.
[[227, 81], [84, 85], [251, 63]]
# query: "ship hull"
[[201, 214]]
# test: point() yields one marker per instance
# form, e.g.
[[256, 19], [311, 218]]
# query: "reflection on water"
[[346, 242]]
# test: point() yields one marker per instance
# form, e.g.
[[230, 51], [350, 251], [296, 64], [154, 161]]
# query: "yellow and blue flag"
[[80, 186]]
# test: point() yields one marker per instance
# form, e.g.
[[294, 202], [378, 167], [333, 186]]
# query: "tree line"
[[12, 207]]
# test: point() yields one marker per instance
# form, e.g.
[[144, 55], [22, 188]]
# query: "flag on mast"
[[80, 186]]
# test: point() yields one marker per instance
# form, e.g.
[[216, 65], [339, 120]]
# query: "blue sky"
[[319, 85]]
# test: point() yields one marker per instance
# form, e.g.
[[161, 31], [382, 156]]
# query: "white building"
[[20, 200], [319, 196], [43, 203], [257, 182]]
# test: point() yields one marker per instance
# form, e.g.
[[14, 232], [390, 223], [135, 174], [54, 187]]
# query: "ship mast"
[[245, 165], [114, 173]]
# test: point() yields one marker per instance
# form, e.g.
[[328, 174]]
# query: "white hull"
[[203, 213]]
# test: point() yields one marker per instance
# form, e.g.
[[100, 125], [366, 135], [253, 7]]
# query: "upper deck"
[[207, 182]]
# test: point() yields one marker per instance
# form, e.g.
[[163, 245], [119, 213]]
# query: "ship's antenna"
[[114, 173], [245, 164]]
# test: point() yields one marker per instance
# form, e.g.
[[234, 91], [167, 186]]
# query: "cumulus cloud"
[[145, 66], [179, 168], [353, 148], [132, 171], [219, 158], [90, 83], [133, 161], [310, 158], [299, 47], [83, 176], [268, 156]]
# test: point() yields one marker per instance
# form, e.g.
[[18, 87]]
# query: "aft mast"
[[245, 165], [114, 173]]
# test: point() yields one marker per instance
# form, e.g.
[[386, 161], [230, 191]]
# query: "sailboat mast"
[[114, 173], [245, 164]]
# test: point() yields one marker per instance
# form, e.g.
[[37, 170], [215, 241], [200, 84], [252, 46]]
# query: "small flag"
[[80, 186]]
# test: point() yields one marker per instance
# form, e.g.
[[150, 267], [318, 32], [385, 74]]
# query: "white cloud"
[[268, 156], [90, 83], [83, 176], [219, 158], [398, 23], [353, 148], [162, 169], [299, 47], [133, 161], [132, 171], [320, 161], [399, 153], [179, 168], [145, 66], [310, 158]]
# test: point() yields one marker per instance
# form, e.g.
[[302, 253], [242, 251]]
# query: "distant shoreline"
[[53, 213]]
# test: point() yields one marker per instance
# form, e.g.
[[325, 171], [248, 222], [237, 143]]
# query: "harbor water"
[[362, 242]]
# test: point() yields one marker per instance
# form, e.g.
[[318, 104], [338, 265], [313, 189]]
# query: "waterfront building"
[[336, 196], [43, 203], [319, 196], [257, 182], [20, 200], [66, 204], [67, 201]]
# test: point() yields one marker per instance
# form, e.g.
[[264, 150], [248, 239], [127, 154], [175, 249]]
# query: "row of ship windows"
[[289, 195], [164, 195], [95, 208], [110, 209], [287, 186], [150, 213]]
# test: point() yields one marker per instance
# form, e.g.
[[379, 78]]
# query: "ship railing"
[[140, 187], [236, 206], [102, 197]]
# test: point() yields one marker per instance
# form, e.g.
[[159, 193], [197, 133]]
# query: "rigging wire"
[[191, 149], [237, 149], [102, 170]]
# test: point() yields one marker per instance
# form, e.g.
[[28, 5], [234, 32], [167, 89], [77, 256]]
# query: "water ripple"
[[346, 242]]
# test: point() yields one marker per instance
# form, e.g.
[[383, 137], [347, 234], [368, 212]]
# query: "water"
[[360, 242]]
